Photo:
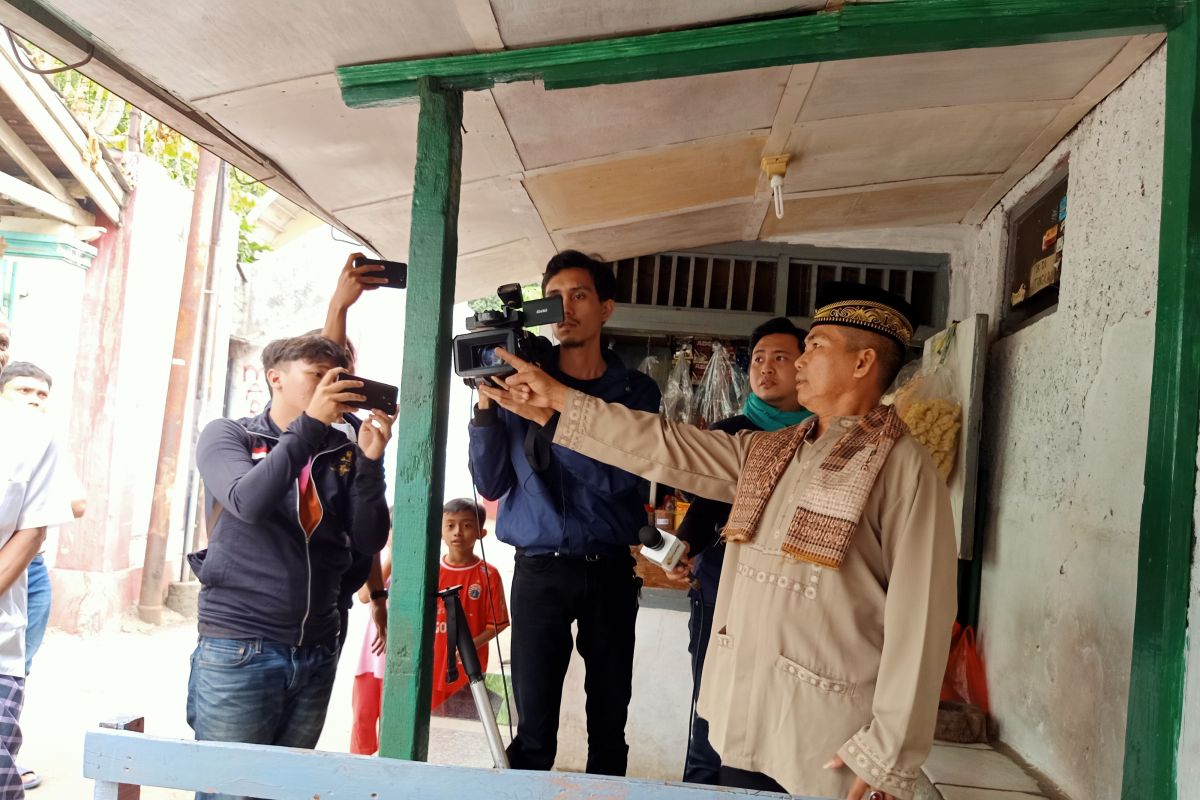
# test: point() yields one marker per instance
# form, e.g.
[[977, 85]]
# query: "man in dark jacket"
[[772, 405], [295, 490], [572, 520]]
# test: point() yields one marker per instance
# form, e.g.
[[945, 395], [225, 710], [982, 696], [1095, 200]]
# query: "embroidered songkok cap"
[[856, 305]]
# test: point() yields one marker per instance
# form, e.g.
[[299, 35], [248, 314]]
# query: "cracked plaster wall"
[[1064, 440]]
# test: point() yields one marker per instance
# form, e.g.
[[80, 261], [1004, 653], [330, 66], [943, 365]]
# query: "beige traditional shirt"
[[806, 662]]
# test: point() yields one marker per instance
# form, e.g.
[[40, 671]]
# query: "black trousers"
[[548, 594], [743, 779], [702, 764]]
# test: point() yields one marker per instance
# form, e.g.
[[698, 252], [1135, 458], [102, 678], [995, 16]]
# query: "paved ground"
[[78, 681]]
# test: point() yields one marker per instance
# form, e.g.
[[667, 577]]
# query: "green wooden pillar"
[[421, 454], [1165, 551]]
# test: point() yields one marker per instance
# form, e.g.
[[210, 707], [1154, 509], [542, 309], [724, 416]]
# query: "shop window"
[[1038, 229]]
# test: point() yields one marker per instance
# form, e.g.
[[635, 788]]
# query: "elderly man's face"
[[825, 370]]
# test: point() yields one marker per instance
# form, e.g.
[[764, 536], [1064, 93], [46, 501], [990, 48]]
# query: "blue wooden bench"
[[122, 758]]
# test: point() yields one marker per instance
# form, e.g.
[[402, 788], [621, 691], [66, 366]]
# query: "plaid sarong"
[[830, 507], [12, 697]]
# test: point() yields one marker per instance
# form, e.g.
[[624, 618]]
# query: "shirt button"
[[810, 593]]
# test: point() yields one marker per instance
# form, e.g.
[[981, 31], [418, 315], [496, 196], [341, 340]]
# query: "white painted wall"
[[1066, 408]]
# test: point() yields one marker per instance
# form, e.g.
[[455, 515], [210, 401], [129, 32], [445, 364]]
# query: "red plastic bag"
[[965, 681]]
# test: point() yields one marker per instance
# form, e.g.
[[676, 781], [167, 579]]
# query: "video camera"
[[475, 358]]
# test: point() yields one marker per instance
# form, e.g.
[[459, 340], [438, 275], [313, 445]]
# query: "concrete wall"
[[1066, 409]]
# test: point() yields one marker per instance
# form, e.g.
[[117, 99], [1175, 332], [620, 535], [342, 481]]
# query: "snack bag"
[[677, 399], [929, 405], [716, 397]]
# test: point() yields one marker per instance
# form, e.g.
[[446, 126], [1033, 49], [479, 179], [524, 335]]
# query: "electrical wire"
[[26, 65], [487, 577]]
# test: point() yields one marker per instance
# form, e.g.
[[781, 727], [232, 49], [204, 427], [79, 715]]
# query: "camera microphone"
[[662, 547]]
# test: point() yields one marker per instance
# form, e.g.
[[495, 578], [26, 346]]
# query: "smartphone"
[[396, 272], [379, 395]]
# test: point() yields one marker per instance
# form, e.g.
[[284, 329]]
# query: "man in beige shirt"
[[837, 594]]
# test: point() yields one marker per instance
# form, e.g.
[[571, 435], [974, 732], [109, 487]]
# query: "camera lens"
[[488, 357]]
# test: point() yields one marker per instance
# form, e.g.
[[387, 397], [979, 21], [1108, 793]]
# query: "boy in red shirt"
[[482, 598], [482, 592]]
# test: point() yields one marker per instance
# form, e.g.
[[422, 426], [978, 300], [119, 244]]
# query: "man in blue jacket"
[[295, 492], [572, 520]]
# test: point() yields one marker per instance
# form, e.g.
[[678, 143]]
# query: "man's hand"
[[530, 393], [375, 433], [353, 282], [379, 615], [861, 790], [331, 396], [682, 572]]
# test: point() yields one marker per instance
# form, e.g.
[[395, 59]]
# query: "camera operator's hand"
[[375, 433], [329, 401], [352, 282], [530, 388]]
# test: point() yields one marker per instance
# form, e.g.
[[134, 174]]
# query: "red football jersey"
[[478, 580]]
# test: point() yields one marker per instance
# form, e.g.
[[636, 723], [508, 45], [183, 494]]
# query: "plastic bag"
[[716, 396], [929, 405], [965, 681], [653, 367], [677, 399]]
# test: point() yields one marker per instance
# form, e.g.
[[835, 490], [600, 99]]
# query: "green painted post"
[[1165, 551], [421, 455]]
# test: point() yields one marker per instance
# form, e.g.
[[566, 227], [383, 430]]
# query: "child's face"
[[460, 530]]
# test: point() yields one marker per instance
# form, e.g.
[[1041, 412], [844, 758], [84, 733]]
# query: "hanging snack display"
[[677, 399], [929, 405], [717, 396]]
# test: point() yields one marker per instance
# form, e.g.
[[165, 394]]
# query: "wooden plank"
[[280, 773], [43, 108], [31, 165], [42, 201], [421, 452], [1165, 549], [855, 31]]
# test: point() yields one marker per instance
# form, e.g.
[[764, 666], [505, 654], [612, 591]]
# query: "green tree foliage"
[[107, 118]]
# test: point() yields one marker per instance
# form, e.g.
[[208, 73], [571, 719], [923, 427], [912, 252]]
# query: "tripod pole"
[[458, 638]]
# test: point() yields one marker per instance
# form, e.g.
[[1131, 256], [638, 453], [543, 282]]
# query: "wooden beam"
[[283, 773], [28, 161], [855, 31], [1165, 549], [14, 82], [421, 446], [42, 201]]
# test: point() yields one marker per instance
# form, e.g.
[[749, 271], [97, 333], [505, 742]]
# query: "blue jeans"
[[702, 764], [258, 692], [38, 608]]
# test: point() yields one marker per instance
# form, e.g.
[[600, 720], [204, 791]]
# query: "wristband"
[[379, 594]]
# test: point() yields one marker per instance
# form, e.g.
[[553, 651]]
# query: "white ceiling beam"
[[800, 81], [30, 164], [42, 201], [37, 108]]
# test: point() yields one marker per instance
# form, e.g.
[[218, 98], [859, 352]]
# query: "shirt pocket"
[[801, 674]]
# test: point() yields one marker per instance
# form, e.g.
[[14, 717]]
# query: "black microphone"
[[650, 537]]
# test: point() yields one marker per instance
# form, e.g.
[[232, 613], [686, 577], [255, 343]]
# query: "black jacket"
[[701, 527], [261, 575]]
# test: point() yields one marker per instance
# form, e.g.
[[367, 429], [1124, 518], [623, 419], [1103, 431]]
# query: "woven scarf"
[[830, 507]]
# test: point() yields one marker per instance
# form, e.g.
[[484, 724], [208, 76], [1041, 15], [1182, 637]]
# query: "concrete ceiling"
[[618, 170]]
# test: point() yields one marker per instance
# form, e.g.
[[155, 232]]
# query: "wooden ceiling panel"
[[1055, 71], [575, 124], [531, 22], [929, 202], [909, 145], [650, 182], [307, 129], [218, 46], [688, 229]]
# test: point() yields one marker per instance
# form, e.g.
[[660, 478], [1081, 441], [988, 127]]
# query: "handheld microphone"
[[662, 547]]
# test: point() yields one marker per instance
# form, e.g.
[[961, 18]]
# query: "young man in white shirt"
[[35, 493]]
